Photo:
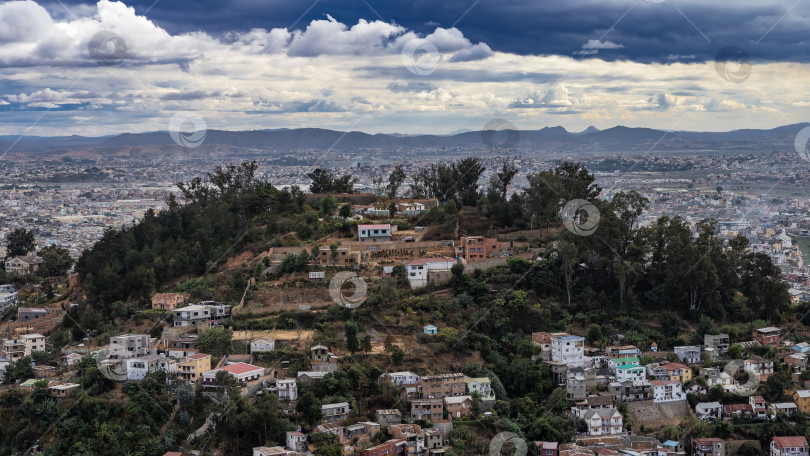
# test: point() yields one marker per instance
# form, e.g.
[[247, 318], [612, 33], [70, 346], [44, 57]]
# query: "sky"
[[73, 67]]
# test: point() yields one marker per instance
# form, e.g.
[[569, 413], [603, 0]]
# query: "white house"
[[374, 233], [287, 388], [481, 385], [262, 345], [607, 421], [689, 354], [137, 368], [8, 297], [197, 313], [631, 372], [709, 411], [400, 378], [667, 391], [568, 350], [420, 270], [296, 441]]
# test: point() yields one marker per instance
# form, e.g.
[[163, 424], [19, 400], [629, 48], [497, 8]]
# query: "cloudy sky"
[[74, 67]]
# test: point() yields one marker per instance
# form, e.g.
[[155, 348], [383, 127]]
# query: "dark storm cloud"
[[674, 30]]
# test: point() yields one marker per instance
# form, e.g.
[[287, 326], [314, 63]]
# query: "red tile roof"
[[374, 227], [781, 442], [198, 356], [240, 368]]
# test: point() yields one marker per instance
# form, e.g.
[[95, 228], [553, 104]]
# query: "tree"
[[309, 407], [365, 344], [735, 351], [352, 344], [19, 242], [325, 182], [215, 341], [568, 256], [594, 333], [328, 206], [499, 182], [397, 356], [395, 180], [56, 261], [345, 210]]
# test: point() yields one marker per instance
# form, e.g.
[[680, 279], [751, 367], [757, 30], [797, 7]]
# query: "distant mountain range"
[[281, 141]]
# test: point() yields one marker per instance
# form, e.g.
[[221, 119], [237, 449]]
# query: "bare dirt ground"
[[278, 334]]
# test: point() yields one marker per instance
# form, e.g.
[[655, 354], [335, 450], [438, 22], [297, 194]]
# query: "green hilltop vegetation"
[[646, 283]]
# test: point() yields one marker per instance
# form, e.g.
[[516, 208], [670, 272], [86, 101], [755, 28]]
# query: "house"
[[667, 391], [335, 413], [759, 366], [715, 376], [182, 347], [287, 388], [606, 421], [192, 367], [709, 411], [613, 363], [623, 351], [63, 390], [758, 406], [262, 345], [568, 350], [374, 233], [629, 390], [732, 410], [137, 368], [8, 297], [129, 346], [476, 248], [689, 354], [576, 385], [631, 372], [789, 446], [788, 408], [457, 406], [656, 370], [363, 428], [388, 417], [242, 372], [591, 403], [198, 313], [320, 353], [429, 410], [422, 271], [482, 386], [311, 376], [430, 330], [547, 449], [442, 385], [43, 371], [709, 447], [767, 336], [167, 301], [802, 400], [14, 349], [393, 447], [30, 313], [296, 441], [798, 361], [400, 378], [720, 342], [23, 265], [412, 435], [333, 428], [696, 388], [272, 451], [801, 347], [680, 372]]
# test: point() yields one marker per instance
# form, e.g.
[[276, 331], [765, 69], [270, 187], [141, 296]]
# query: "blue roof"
[[570, 337], [670, 443]]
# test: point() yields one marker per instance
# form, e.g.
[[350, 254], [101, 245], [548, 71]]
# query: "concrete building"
[[192, 367], [242, 372], [443, 385], [667, 391], [199, 313], [167, 301], [422, 271], [14, 349], [709, 447], [482, 386], [603, 422], [568, 350], [262, 345], [335, 413], [129, 346], [287, 388], [476, 248], [689, 354], [767, 336], [374, 233], [400, 378], [720, 342], [296, 441]]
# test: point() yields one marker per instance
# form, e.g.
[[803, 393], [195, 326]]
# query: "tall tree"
[[19, 242], [395, 180]]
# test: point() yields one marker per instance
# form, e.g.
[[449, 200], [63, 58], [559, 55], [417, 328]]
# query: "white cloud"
[[597, 44]]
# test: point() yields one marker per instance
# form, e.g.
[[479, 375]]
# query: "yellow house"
[[191, 368], [802, 400], [678, 371]]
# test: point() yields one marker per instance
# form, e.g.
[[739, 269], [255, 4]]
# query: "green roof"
[[630, 366], [626, 359]]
